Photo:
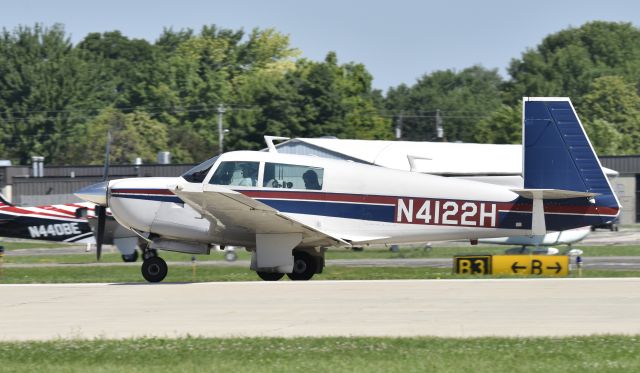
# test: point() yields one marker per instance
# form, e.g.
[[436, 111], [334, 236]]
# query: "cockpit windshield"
[[199, 172]]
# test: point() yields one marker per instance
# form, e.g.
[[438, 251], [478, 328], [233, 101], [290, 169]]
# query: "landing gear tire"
[[131, 257], [154, 269], [270, 276], [304, 267]]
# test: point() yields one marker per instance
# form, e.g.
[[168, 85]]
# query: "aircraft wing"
[[227, 208]]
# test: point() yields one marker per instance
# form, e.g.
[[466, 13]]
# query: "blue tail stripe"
[[558, 154]]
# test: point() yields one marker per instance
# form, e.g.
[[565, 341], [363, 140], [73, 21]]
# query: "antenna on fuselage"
[[412, 161], [269, 141]]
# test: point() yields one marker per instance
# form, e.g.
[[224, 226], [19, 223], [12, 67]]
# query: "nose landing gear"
[[154, 268]]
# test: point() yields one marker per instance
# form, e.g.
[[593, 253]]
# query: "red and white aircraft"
[[286, 209], [71, 222], [61, 223]]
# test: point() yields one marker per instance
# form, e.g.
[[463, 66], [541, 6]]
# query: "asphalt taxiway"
[[453, 308]]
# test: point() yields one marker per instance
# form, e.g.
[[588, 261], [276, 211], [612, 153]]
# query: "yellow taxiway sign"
[[540, 265]]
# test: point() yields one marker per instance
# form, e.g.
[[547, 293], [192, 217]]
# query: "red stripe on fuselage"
[[163, 192], [552, 208], [320, 196], [392, 200]]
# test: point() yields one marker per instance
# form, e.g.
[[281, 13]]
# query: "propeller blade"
[[101, 212], [105, 173]]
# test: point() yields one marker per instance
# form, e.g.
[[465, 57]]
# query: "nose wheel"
[[154, 269]]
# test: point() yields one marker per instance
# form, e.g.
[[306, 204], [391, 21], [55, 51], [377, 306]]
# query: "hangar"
[[43, 185]]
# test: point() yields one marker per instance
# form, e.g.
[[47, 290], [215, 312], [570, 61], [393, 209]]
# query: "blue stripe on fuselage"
[[157, 198], [338, 210]]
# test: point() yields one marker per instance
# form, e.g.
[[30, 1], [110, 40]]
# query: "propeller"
[[101, 210]]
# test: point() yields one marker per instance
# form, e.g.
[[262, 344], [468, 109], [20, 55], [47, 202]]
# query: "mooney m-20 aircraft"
[[286, 209]]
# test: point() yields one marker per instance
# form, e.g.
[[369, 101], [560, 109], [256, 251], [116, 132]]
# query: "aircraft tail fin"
[[559, 160]]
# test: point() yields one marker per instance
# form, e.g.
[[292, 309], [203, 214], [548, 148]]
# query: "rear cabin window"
[[277, 175], [236, 173]]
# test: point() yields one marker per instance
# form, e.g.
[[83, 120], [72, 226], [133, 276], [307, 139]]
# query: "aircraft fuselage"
[[360, 203]]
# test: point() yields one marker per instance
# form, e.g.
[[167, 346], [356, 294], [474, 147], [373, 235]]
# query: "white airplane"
[[567, 237], [287, 209]]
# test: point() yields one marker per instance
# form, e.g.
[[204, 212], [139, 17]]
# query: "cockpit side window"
[[199, 172], [236, 173], [278, 175]]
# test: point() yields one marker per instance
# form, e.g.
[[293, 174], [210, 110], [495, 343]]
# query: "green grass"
[[90, 257], [16, 245], [129, 274], [425, 354], [448, 252], [368, 253]]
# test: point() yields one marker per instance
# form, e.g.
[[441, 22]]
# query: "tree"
[[310, 99], [606, 139], [612, 116], [133, 135], [503, 126], [130, 64], [463, 98], [567, 62], [46, 89], [215, 67]]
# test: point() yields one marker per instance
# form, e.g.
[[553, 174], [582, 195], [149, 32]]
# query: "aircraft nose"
[[96, 193]]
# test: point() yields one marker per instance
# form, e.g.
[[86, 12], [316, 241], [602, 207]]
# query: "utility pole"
[[221, 111], [439, 128], [398, 128]]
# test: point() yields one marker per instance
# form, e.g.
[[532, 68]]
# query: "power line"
[[172, 109]]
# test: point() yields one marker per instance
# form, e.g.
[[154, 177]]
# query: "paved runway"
[[459, 308]]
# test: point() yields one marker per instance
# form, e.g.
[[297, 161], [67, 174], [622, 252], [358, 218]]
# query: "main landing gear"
[[130, 258], [270, 276], [154, 268], [305, 266]]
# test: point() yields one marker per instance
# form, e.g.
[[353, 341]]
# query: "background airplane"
[[286, 224], [541, 244], [72, 223], [60, 223]]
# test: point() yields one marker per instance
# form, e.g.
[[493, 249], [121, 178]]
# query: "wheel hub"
[[154, 269], [299, 266]]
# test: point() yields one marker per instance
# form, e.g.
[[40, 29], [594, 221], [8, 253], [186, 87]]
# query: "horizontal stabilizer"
[[552, 193]]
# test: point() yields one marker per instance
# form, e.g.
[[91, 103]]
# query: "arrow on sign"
[[558, 267], [515, 267]]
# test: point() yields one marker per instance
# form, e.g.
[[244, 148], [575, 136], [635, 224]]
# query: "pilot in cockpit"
[[311, 180], [249, 175]]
